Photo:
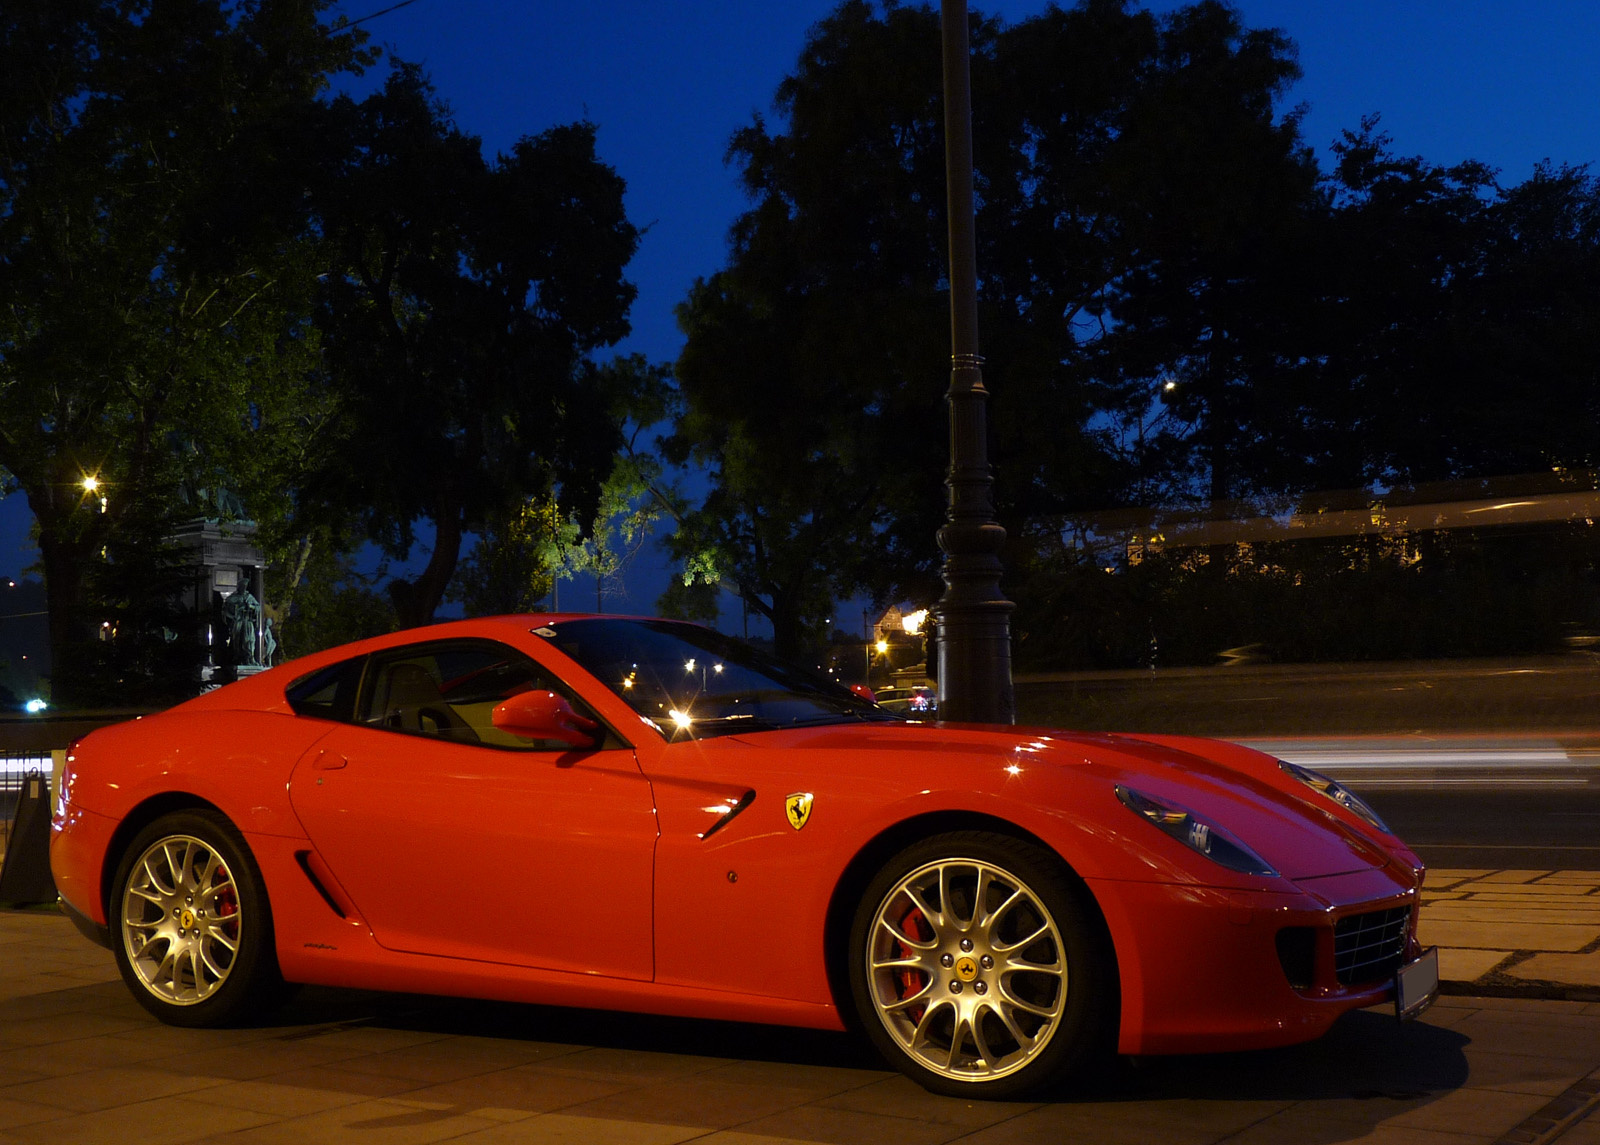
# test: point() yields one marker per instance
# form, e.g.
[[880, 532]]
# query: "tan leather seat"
[[413, 704]]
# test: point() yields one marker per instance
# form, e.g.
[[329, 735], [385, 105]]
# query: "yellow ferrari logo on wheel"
[[798, 808]]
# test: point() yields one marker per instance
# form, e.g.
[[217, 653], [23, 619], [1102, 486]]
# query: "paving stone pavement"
[[1515, 931], [82, 1064]]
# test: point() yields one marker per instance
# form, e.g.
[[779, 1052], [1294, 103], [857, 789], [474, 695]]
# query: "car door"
[[456, 839]]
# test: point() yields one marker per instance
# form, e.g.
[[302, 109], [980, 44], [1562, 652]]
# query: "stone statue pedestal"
[[225, 598]]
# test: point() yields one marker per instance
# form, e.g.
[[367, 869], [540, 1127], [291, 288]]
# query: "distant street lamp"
[[974, 617], [879, 647], [91, 488]]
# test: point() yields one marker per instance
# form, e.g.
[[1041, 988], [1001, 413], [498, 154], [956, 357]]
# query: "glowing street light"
[[91, 488]]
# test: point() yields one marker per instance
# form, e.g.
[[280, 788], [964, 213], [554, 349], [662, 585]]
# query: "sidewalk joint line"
[[1579, 1100]]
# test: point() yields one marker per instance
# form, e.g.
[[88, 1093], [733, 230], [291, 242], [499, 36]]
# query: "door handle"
[[328, 761]]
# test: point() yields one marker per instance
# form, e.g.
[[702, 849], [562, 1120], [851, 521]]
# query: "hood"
[[1246, 794], [1234, 789]]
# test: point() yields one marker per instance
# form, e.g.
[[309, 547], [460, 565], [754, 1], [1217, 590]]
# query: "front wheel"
[[980, 968], [191, 926]]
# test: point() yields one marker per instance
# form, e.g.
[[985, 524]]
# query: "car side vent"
[[1297, 954], [304, 859]]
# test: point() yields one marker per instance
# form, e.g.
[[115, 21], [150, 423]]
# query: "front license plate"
[[1416, 985]]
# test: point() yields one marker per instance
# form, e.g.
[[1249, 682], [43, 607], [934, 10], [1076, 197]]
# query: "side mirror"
[[864, 692], [544, 715]]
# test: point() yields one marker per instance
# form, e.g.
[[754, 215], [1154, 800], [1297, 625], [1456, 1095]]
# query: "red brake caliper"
[[909, 981], [227, 904]]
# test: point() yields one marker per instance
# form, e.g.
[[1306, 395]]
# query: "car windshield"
[[691, 681]]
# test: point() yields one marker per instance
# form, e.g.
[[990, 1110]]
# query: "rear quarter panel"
[[237, 761]]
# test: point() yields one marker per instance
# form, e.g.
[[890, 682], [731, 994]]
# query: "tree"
[[1213, 272], [1112, 146], [521, 557], [1464, 325], [515, 562], [151, 232], [470, 299], [798, 354]]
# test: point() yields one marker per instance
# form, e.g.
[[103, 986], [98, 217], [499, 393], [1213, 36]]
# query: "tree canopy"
[[1178, 303], [1121, 158], [151, 246], [469, 297], [215, 276]]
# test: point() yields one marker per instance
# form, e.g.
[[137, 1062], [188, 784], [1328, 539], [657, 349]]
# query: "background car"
[[918, 699], [646, 815]]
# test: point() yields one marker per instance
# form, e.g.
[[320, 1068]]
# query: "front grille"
[[1368, 947]]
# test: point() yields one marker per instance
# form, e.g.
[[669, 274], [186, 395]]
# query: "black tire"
[[191, 927], [982, 1003]]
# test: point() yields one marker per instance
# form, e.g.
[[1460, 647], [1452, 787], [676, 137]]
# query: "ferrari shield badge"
[[798, 808]]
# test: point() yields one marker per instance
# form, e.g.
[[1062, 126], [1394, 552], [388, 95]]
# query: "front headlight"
[[1335, 791], [1196, 834]]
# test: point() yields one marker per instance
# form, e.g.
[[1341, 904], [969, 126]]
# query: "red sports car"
[[646, 815]]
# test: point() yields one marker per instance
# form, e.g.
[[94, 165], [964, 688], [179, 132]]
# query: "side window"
[[450, 690], [328, 693]]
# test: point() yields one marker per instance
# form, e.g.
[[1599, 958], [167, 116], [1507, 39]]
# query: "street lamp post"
[[974, 617]]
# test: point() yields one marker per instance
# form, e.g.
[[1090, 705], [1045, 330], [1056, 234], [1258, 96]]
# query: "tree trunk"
[[71, 636], [416, 601], [291, 586], [787, 637]]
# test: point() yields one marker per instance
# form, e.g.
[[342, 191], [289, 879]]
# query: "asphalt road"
[[1523, 828], [1460, 801]]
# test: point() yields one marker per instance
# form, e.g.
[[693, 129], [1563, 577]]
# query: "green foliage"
[[1120, 156], [152, 264], [525, 551], [695, 600], [470, 297], [333, 604], [1178, 307], [514, 564]]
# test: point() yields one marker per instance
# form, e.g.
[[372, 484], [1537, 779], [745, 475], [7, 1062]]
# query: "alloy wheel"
[[966, 969], [181, 920]]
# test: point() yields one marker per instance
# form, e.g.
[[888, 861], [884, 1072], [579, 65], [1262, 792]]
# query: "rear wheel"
[[979, 966], [191, 926]]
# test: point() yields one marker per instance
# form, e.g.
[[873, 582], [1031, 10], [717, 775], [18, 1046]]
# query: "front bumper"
[[1202, 970]]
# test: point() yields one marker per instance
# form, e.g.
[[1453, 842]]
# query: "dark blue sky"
[[668, 83], [1506, 82]]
